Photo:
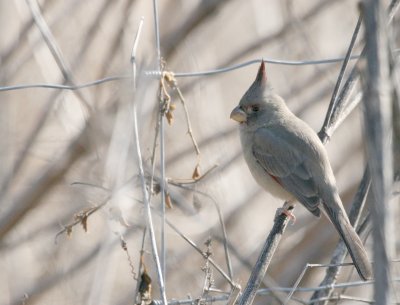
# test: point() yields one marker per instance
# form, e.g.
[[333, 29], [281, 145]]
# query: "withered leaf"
[[196, 173], [84, 222], [170, 117], [69, 231], [172, 107], [168, 201]]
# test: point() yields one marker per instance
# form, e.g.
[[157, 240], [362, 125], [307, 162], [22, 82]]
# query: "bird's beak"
[[238, 115]]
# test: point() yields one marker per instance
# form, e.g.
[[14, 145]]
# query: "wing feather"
[[274, 150]]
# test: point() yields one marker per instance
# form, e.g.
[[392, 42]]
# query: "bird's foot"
[[287, 210]]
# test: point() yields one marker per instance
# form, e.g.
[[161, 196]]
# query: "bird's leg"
[[287, 210]]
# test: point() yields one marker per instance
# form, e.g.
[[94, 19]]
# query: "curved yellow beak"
[[238, 115]]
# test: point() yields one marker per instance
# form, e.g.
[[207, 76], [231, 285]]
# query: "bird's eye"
[[255, 108]]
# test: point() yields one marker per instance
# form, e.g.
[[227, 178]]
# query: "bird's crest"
[[261, 79]]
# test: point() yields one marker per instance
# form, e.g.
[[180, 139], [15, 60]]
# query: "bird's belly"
[[262, 177]]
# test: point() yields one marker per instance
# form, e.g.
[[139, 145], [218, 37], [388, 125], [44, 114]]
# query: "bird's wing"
[[274, 149]]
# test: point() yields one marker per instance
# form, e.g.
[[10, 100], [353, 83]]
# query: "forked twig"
[[193, 244], [171, 80], [81, 218], [182, 182], [324, 134]]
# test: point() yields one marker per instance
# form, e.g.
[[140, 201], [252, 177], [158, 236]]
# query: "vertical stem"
[[162, 161], [145, 193], [157, 32], [162, 145], [378, 124], [147, 207]]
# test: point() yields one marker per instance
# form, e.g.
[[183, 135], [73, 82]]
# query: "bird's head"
[[255, 101]]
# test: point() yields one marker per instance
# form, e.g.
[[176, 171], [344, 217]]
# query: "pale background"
[[95, 38]]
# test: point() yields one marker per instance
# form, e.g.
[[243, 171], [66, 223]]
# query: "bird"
[[287, 159]]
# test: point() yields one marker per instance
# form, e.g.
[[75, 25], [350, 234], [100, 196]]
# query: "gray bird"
[[287, 159]]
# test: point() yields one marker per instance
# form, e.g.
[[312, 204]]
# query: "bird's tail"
[[353, 242]]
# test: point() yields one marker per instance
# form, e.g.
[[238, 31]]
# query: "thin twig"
[[296, 284], [147, 206], [172, 80], [222, 224], [312, 289], [223, 228], [162, 142], [54, 49], [193, 244], [146, 200], [207, 300], [342, 297], [182, 182], [134, 50], [208, 274], [323, 134], [163, 193], [49, 39], [140, 266], [266, 291], [78, 220], [342, 102]]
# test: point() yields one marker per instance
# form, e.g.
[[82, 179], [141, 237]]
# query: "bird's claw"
[[287, 211]]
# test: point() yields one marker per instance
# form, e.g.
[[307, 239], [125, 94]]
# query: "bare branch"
[[264, 259], [378, 130]]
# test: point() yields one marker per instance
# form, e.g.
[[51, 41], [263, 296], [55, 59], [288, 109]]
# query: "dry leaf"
[[169, 114], [84, 222], [170, 117], [145, 285], [123, 245], [170, 78], [196, 173], [145, 288], [168, 201], [69, 231]]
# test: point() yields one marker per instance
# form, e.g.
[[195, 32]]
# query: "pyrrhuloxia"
[[286, 158]]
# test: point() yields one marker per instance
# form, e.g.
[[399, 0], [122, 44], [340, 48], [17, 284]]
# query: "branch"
[[264, 259], [145, 193], [378, 129]]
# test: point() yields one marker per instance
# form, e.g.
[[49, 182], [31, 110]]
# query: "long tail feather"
[[351, 239]]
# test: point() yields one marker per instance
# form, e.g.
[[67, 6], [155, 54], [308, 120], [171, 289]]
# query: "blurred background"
[[68, 157]]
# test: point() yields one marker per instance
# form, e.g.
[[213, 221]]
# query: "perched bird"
[[287, 159]]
